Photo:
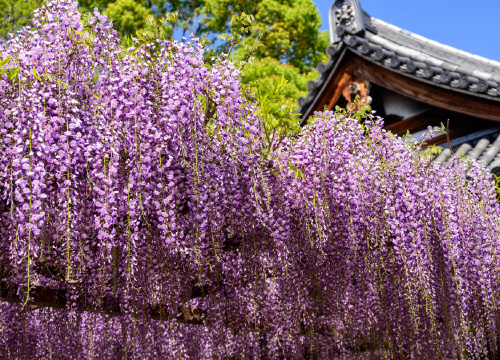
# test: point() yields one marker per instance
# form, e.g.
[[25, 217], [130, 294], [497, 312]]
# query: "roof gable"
[[401, 51]]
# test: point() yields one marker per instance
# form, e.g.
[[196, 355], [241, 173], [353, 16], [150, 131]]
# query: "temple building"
[[411, 81]]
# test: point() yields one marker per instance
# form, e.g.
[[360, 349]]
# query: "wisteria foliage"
[[131, 177]]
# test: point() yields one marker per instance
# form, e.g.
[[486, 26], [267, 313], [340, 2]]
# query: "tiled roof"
[[352, 29], [486, 150]]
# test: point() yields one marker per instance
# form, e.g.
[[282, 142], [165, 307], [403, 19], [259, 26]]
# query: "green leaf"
[[96, 77], [35, 74], [4, 62], [366, 109], [296, 171], [139, 35], [13, 73], [172, 17]]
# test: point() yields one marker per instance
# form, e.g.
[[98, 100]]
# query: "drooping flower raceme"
[[144, 217]]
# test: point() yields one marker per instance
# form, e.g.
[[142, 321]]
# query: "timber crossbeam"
[[42, 296]]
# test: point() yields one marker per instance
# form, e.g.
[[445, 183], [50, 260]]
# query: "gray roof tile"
[[480, 147], [444, 156], [488, 154]]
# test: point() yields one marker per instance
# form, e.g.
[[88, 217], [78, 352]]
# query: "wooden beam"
[[416, 123], [344, 80], [42, 296], [427, 93], [351, 65]]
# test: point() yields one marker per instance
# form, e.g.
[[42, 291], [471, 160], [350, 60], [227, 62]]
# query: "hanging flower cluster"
[[144, 216]]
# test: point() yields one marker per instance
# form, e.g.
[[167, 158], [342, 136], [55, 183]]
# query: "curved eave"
[[428, 69], [354, 59]]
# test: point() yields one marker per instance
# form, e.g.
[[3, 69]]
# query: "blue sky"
[[472, 26]]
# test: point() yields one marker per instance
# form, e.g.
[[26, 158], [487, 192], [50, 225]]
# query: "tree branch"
[[448, 136], [57, 298]]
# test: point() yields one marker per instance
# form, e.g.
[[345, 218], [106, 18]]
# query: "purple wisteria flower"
[[143, 216]]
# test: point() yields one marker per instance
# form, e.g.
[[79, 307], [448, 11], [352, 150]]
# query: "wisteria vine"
[[139, 191]]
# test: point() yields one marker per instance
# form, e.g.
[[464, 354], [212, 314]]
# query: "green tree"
[[291, 43], [263, 74], [15, 14], [288, 30], [128, 16]]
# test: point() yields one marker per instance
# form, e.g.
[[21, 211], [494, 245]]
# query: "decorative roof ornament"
[[345, 16], [357, 86]]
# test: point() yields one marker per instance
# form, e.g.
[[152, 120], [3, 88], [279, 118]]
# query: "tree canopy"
[[291, 43], [150, 209], [289, 31], [15, 14]]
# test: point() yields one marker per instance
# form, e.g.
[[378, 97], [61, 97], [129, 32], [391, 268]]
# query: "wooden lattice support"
[[42, 296]]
